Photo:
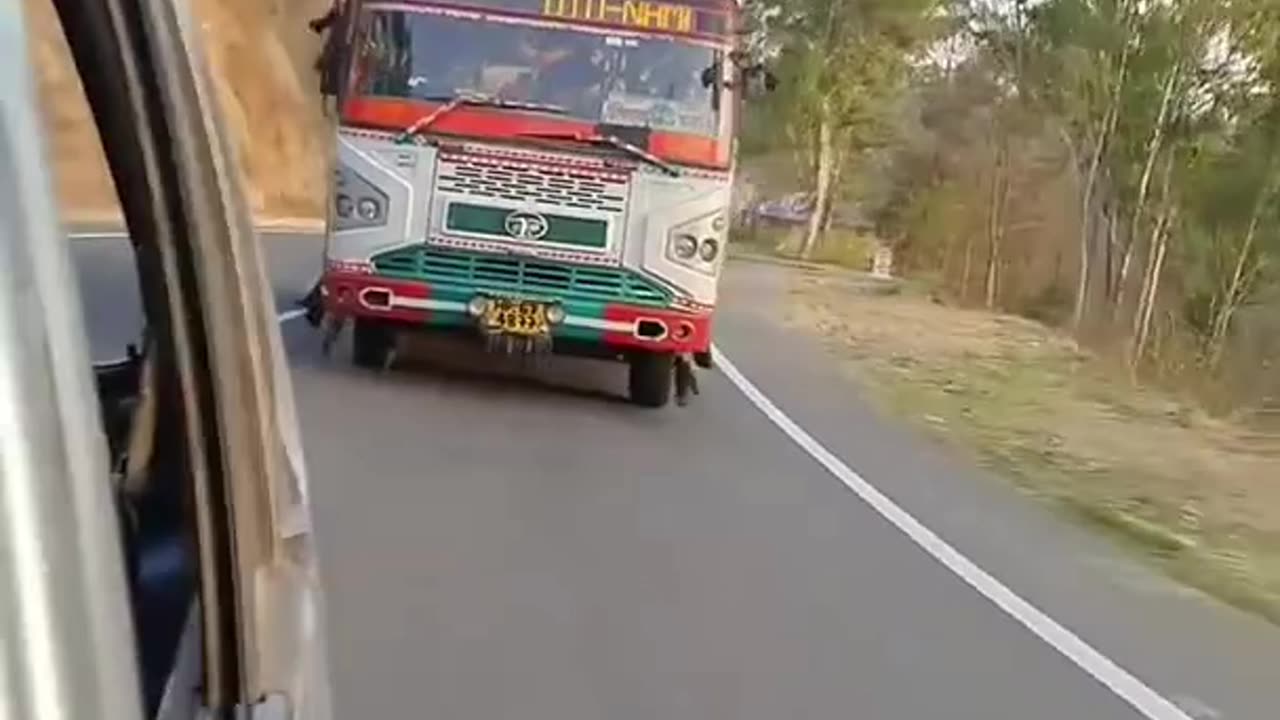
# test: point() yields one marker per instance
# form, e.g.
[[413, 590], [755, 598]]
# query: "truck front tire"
[[371, 343], [650, 379]]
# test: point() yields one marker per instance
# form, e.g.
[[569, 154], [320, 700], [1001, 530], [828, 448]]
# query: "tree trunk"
[[838, 158], [948, 248], [1122, 278], [1155, 271], [1237, 288], [968, 267], [1151, 278], [1112, 244], [995, 228], [822, 189], [1107, 128], [1154, 145]]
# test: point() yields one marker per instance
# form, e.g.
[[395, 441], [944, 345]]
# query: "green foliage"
[[843, 67], [846, 60], [997, 142]]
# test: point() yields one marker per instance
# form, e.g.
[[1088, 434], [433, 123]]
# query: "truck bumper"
[[618, 326]]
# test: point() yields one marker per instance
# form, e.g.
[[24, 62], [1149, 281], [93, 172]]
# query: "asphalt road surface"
[[516, 542]]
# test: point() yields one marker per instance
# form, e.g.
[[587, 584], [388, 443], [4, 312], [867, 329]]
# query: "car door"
[[214, 419], [65, 641]]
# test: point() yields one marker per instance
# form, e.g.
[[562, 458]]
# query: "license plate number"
[[516, 317]]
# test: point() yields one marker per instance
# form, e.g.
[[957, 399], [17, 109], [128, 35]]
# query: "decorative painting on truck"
[[690, 17], [541, 176]]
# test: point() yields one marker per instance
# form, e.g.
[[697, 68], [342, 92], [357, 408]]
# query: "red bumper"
[[626, 327], [644, 328]]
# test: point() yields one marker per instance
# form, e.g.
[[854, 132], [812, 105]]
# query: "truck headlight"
[[699, 243], [709, 250], [369, 209], [684, 246], [343, 205], [357, 203], [477, 306]]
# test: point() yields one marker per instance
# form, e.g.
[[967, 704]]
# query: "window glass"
[[642, 81], [88, 206]]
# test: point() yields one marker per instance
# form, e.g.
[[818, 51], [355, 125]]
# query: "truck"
[[548, 176]]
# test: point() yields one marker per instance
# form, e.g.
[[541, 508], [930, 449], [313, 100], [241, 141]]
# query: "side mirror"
[[709, 75], [758, 80], [753, 80]]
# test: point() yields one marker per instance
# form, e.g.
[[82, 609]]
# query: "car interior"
[[149, 480]]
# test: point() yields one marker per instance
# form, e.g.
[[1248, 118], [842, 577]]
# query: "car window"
[[88, 206], [147, 464]]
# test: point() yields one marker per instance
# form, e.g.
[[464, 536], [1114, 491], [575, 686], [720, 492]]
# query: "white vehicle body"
[[591, 193]]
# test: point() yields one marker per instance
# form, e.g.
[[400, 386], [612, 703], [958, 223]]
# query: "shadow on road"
[[461, 362]]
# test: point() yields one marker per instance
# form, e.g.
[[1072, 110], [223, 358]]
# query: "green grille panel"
[[505, 274], [561, 230]]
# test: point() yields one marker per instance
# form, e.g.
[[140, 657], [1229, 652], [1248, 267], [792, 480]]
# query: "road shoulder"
[[1188, 646]]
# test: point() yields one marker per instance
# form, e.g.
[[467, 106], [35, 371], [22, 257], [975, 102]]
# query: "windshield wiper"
[[453, 102], [612, 141]]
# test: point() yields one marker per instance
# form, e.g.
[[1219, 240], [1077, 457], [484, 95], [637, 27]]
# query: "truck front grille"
[[515, 181], [520, 276]]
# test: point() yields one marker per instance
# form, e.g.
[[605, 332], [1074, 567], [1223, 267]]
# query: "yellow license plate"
[[516, 317]]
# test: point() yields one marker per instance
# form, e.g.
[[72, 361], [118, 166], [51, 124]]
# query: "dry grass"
[[1198, 495], [260, 53]]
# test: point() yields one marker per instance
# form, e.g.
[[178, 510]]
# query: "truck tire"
[[371, 343], [650, 379]]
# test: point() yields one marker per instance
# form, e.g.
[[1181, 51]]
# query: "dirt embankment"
[[1198, 495], [260, 53]]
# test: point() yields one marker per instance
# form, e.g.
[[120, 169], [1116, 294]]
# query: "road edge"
[[1126, 686]]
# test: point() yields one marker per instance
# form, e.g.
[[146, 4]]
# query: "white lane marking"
[[282, 318], [1132, 690]]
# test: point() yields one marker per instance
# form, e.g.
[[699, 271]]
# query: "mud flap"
[[686, 380]]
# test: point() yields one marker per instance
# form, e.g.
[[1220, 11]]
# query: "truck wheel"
[[651, 378], [704, 360], [371, 342]]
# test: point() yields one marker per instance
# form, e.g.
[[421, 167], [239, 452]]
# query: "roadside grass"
[[840, 248], [1198, 496]]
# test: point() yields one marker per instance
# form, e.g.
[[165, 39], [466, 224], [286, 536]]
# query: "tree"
[[841, 64], [1112, 166]]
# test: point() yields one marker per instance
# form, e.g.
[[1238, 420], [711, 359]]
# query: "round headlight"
[[343, 205], [555, 314], [719, 223], [685, 247], [709, 249], [368, 209], [477, 305]]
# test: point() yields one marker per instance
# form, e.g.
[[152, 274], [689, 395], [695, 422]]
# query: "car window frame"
[[202, 278], [265, 641], [66, 639]]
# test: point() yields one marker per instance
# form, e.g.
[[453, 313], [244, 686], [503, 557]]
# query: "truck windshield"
[[650, 82]]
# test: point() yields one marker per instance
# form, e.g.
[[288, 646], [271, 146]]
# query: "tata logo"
[[526, 225]]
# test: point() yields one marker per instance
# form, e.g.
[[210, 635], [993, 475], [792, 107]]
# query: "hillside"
[[261, 53]]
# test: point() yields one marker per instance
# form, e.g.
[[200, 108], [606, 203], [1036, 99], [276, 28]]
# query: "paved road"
[[504, 542]]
